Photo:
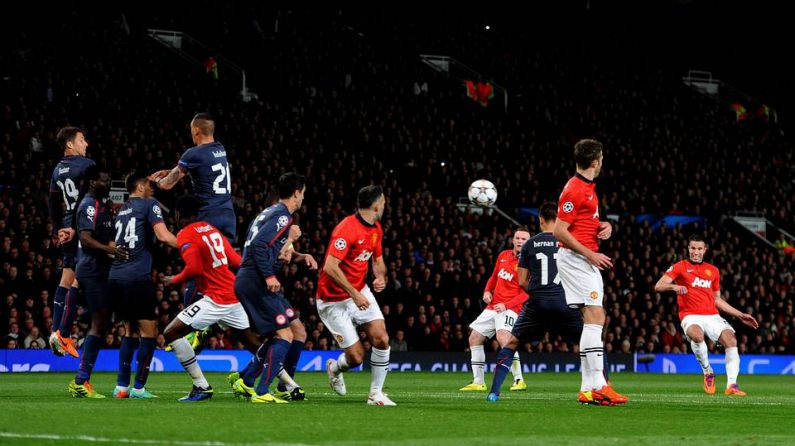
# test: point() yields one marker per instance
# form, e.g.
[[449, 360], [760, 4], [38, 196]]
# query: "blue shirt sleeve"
[[526, 255], [154, 214], [266, 244], [188, 160], [87, 216]]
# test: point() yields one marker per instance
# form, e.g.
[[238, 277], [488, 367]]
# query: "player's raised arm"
[[167, 179]]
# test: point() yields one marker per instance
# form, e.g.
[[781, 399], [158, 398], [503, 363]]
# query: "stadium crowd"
[[338, 108]]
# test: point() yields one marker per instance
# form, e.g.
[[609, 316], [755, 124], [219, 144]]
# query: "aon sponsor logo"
[[364, 256], [701, 283], [505, 275]]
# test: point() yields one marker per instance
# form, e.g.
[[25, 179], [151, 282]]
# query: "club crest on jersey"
[[708, 273], [282, 222], [375, 238], [701, 283], [339, 338], [90, 211], [340, 244], [568, 207], [157, 211]]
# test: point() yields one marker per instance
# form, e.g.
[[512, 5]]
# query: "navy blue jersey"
[[210, 174], [539, 255], [67, 179], [134, 225], [265, 237], [94, 215]]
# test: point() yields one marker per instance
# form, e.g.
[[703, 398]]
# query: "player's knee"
[[729, 341], [355, 355], [475, 338], [381, 341], [513, 343], [285, 334]]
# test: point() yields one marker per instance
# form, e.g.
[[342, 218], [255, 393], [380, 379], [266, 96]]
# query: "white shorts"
[[205, 312], [711, 324], [581, 281], [342, 318], [490, 321]]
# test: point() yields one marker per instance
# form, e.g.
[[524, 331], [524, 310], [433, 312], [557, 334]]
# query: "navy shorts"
[[69, 253], [267, 312], [223, 219], [96, 292], [134, 300], [541, 316]]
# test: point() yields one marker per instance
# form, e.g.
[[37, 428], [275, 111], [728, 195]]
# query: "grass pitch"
[[36, 409]]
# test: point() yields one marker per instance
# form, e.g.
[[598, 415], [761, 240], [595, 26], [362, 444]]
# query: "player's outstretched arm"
[[666, 283], [561, 232], [167, 179], [727, 308], [164, 235], [332, 268], [193, 266]]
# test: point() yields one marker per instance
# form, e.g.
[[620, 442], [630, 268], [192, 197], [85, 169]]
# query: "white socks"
[[702, 354], [478, 363], [516, 367], [287, 380], [732, 366], [187, 358], [379, 366], [593, 348], [341, 365]]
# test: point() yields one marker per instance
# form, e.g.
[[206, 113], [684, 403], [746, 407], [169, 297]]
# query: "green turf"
[[664, 409]]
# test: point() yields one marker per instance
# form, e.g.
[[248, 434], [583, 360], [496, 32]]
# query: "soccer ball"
[[482, 193]]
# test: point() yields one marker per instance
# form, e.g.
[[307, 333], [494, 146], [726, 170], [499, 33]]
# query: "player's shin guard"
[[732, 365], [275, 358], [88, 358], [591, 344], [187, 357], [59, 303], [702, 354], [516, 367], [254, 367], [126, 352], [144, 359], [291, 360], [379, 366], [504, 360], [478, 363]]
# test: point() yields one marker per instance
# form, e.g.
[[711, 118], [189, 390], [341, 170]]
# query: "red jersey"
[[208, 256], [504, 283], [353, 241], [701, 280], [579, 207]]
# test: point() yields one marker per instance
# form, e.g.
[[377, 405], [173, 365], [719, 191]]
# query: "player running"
[[546, 310], [138, 222], [66, 189], [344, 302], [697, 285], [504, 298], [578, 231], [208, 257], [260, 292], [97, 248]]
